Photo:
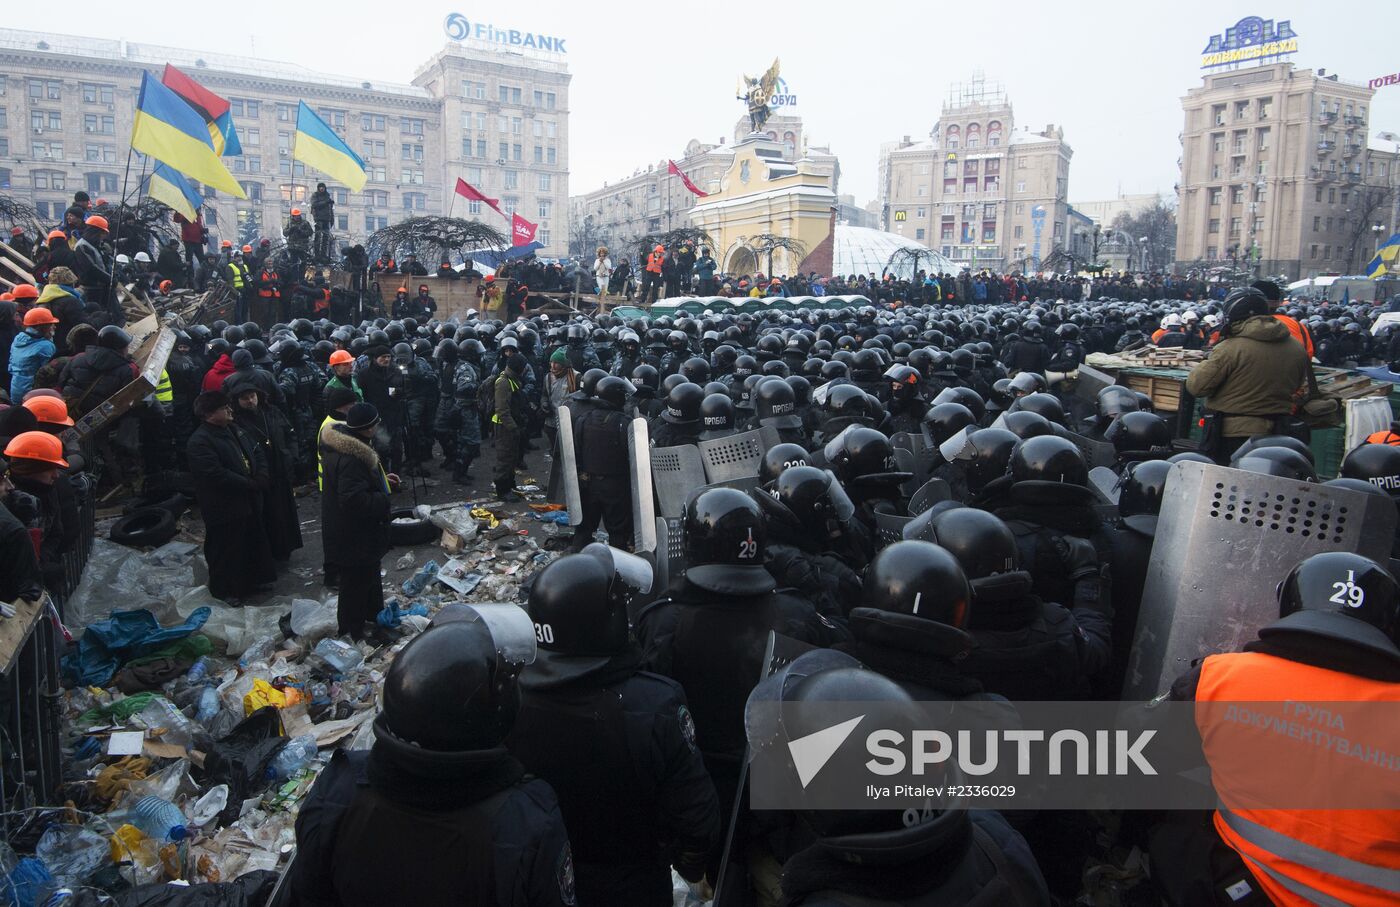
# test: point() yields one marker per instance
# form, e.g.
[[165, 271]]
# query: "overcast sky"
[[648, 77]]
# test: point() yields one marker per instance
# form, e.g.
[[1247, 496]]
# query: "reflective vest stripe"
[[1295, 851], [1309, 894], [164, 392], [237, 273]]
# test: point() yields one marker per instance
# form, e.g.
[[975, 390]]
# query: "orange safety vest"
[[1157, 334], [1300, 333], [654, 261], [1298, 856], [324, 303], [268, 288], [1384, 437]]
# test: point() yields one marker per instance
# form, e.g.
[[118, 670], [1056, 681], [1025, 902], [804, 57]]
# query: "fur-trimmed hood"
[[339, 439]]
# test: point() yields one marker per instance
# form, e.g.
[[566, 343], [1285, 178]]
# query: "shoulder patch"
[[565, 876], [687, 723]]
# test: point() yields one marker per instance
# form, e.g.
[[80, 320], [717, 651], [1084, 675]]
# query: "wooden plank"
[[120, 403], [16, 269], [14, 253], [14, 631]]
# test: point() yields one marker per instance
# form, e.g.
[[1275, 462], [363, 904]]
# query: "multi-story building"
[[978, 190], [1105, 212], [1279, 174], [67, 103], [652, 200]]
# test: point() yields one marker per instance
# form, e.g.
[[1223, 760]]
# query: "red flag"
[[204, 101], [672, 169], [521, 230], [471, 193]]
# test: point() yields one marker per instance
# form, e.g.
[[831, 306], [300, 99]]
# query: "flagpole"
[[117, 233]]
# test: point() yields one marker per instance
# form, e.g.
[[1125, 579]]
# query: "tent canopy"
[[861, 250]]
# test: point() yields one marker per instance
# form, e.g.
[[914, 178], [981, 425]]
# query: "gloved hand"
[[1077, 555]]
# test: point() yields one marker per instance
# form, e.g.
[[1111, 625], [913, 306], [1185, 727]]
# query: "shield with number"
[[643, 501], [568, 476]]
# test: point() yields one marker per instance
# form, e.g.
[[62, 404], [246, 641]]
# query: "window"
[[539, 99], [98, 94], [1213, 226], [945, 230], [1215, 195], [517, 152], [475, 175], [969, 185], [508, 95], [341, 196], [253, 191], [49, 179], [342, 222], [105, 154], [284, 141], [211, 217], [512, 179], [2, 86], [1217, 142], [252, 136], [291, 168], [1331, 196], [549, 100], [990, 184], [1266, 106], [550, 155], [411, 125], [505, 151], [374, 223], [1241, 110], [4, 147], [546, 206], [243, 107], [1017, 231], [922, 191], [1239, 144], [334, 118], [1258, 226], [413, 177], [950, 185], [371, 122], [377, 174], [4, 121], [1345, 195], [543, 236], [41, 89], [1318, 197], [1021, 186], [1020, 207], [970, 168], [1261, 193], [1312, 250], [467, 147], [47, 150], [539, 155], [476, 90], [208, 191], [1317, 226], [1236, 195], [292, 193], [1235, 225], [509, 204], [1264, 139], [285, 113], [249, 221], [969, 211], [412, 152], [545, 182], [515, 125], [1217, 114], [414, 201], [1215, 171], [919, 233], [1329, 225], [549, 129], [372, 148], [989, 231], [1326, 252], [473, 207], [921, 212]]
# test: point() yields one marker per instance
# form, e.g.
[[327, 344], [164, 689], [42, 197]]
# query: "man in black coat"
[[267, 428], [355, 514], [229, 480]]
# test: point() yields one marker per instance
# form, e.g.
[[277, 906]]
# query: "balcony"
[[1319, 173], [1354, 121], [1327, 116], [1325, 146], [1353, 177], [1351, 148]]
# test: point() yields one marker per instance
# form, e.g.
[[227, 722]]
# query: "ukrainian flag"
[[168, 129], [214, 110], [1385, 257], [317, 144], [170, 187]]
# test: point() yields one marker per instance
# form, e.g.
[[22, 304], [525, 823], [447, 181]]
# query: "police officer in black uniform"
[[437, 811], [615, 742], [600, 452], [680, 422], [301, 385], [807, 545]]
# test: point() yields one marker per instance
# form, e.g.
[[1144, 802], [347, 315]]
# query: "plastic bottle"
[[161, 713], [261, 650], [198, 671], [209, 705], [419, 581], [158, 819], [293, 757], [340, 657]]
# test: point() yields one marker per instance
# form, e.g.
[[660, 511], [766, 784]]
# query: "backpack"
[[486, 396]]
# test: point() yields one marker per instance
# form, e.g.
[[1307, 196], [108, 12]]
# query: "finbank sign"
[[459, 28], [1249, 40]]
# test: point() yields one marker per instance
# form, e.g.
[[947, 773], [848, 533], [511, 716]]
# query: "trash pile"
[[192, 730]]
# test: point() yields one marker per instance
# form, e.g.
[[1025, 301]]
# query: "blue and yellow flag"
[[1385, 257], [168, 129], [214, 110], [317, 144], [172, 189]]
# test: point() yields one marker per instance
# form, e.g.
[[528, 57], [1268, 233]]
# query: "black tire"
[[165, 499], [149, 526], [411, 532]]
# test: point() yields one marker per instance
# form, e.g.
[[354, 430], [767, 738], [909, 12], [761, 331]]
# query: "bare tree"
[[435, 238], [765, 244], [586, 235], [909, 261], [1369, 206], [1158, 224], [693, 235], [17, 213]]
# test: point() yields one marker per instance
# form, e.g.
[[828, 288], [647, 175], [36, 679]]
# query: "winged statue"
[[756, 93]]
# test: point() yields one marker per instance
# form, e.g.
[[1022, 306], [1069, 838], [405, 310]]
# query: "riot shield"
[[1104, 483], [889, 527], [1225, 539], [568, 475], [643, 501], [1096, 453], [675, 473], [1090, 382], [931, 492], [735, 457]]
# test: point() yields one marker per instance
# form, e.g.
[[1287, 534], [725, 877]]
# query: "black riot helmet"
[[1029, 383], [983, 544], [801, 389], [863, 456], [612, 391], [780, 457], [1378, 464], [1050, 459], [471, 350], [745, 366], [776, 368], [696, 370], [963, 362], [947, 419], [866, 366], [716, 416], [919, 579], [848, 401], [1257, 441], [1027, 424], [776, 404], [1140, 494], [806, 502], [290, 352], [989, 451], [671, 382], [1001, 397], [646, 380], [833, 370], [1241, 305], [454, 688], [683, 404], [1042, 404], [579, 602], [1113, 401], [114, 338], [1284, 462], [589, 382], [1139, 435], [1345, 583], [403, 353], [724, 543], [446, 351], [966, 396]]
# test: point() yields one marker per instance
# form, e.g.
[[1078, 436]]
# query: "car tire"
[[412, 531], [146, 527]]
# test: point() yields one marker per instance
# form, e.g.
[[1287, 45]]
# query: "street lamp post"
[[1143, 241], [1378, 231]]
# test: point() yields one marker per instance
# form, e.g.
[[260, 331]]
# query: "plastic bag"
[[235, 628], [313, 620], [72, 853], [457, 520], [261, 696]]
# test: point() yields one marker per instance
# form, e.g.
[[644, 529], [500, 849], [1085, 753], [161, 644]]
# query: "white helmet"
[[1172, 321], [123, 260], [1190, 315], [142, 256], [1212, 319]]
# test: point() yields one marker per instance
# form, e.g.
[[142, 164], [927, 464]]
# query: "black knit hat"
[[209, 401], [361, 416]]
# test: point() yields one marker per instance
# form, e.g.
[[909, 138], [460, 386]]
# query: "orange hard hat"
[[490, 278], [38, 316], [341, 357], [659, 248], [51, 410], [98, 221], [16, 231], [7, 296], [296, 212], [166, 285], [226, 244], [247, 249], [36, 445], [57, 234], [25, 291]]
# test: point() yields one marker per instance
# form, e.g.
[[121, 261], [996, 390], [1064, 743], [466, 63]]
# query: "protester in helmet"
[[616, 743]]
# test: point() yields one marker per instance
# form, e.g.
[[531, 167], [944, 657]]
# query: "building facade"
[[1279, 173], [67, 103], [1105, 212], [652, 200], [978, 190]]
